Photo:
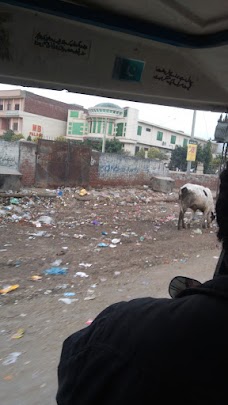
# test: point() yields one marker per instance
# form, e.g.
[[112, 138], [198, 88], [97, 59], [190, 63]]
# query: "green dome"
[[108, 105]]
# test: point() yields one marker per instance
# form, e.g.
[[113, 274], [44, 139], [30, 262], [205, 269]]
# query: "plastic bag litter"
[[83, 192], [36, 278], [197, 231], [56, 271], [102, 244], [45, 219], [69, 294], [11, 359], [115, 241], [8, 289], [81, 274], [68, 300], [85, 265], [56, 263], [19, 334], [14, 201]]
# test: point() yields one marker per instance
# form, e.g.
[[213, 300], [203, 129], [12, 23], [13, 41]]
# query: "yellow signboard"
[[191, 155]]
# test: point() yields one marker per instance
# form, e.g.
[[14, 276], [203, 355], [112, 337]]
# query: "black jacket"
[[151, 351]]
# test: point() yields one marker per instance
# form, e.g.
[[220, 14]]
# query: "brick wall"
[[206, 180], [47, 107], [27, 163]]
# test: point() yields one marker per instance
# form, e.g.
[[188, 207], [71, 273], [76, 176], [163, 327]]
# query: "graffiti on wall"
[[9, 154], [111, 166]]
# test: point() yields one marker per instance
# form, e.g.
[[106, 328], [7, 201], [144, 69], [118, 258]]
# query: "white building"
[[110, 120]]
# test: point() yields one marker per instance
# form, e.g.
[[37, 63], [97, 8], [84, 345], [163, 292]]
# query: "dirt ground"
[[148, 252]]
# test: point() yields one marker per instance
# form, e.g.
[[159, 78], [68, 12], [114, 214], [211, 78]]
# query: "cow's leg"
[[191, 218], [209, 219], [181, 219], [204, 219]]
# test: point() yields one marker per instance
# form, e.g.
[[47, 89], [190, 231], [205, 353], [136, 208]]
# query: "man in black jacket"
[[153, 351]]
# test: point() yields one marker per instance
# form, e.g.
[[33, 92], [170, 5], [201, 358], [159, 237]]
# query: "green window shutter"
[[77, 128], [185, 142], [173, 139], [74, 114], [119, 129], [139, 130], [159, 136], [110, 128], [125, 112], [99, 127], [94, 127]]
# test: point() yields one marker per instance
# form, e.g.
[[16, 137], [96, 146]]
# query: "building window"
[[148, 129], [173, 139], [185, 142], [94, 127], [8, 106], [136, 149], [15, 126], [159, 136], [110, 128], [74, 114], [17, 107], [1, 107], [77, 128], [99, 127], [125, 112], [139, 130], [119, 129]]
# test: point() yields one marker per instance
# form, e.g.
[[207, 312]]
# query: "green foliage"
[[61, 138], [207, 157], [203, 155], [29, 138], [140, 153], [10, 136], [17, 137], [111, 146], [178, 158], [156, 153]]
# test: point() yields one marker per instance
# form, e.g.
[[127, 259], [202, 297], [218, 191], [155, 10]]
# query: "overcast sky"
[[174, 118]]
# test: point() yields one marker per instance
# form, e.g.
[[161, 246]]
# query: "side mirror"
[[179, 284]]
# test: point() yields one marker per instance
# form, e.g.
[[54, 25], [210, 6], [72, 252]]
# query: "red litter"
[[89, 321]]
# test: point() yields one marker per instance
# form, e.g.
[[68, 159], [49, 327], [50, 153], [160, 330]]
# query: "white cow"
[[196, 197]]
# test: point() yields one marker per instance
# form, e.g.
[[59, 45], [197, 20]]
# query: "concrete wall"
[[21, 156], [117, 170], [207, 180], [9, 154]]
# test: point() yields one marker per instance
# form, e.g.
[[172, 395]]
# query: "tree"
[[29, 138], [10, 136], [179, 155], [207, 157], [140, 153], [156, 153], [178, 158], [113, 146]]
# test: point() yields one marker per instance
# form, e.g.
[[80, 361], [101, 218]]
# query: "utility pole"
[[104, 137], [189, 164]]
